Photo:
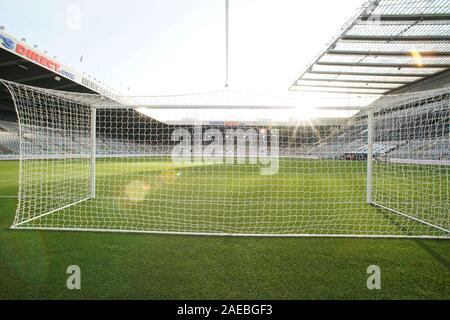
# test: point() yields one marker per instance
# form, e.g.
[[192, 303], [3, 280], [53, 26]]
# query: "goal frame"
[[92, 182], [369, 186]]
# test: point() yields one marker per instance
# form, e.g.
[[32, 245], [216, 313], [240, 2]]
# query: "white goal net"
[[97, 164]]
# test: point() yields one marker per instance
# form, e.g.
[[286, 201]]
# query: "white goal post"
[[91, 163]]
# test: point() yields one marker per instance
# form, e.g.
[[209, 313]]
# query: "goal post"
[[369, 184], [55, 151], [93, 149], [410, 163], [92, 163]]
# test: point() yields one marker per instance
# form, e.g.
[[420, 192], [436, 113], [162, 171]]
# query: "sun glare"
[[418, 59]]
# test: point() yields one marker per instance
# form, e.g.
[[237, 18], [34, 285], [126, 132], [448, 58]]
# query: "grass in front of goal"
[[33, 263], [308, 197]]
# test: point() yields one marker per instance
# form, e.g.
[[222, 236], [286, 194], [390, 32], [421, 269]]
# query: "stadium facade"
[[25, 64]]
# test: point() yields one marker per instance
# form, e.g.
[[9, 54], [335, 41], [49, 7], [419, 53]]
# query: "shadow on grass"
[[421, 243], [434, 254]]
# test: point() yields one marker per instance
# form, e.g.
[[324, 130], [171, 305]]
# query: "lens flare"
[[137, 190], [418, 59], [168, 176]]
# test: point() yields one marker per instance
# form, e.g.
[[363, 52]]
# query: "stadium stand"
[[9, 135], [325, 142]]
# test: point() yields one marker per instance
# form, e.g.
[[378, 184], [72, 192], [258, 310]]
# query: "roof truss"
[[387, 39]]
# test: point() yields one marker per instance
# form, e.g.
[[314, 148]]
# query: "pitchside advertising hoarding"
[[20, 49]]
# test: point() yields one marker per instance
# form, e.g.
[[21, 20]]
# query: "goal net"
[[97, 164]]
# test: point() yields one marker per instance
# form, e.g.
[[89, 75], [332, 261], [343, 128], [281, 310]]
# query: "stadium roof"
[[387, 45], [24, 64]]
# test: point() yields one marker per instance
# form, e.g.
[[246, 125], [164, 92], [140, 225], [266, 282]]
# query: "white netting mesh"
[[304, 179]]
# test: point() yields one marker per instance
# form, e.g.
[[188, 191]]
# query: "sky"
[[153, 47]]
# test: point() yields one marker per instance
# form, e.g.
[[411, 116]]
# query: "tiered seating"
[[9, 137], [414, 133]]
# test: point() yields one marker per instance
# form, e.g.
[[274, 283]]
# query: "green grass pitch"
[[139, 266]]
